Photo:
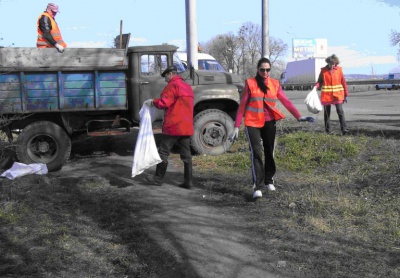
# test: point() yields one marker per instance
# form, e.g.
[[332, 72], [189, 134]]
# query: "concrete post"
[[191, 34], [265, 28]]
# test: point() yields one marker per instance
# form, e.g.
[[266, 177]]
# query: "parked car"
[[387, 86], [391, 76]]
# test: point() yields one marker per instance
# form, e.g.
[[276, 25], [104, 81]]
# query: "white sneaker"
[[271, 187], [257, 194]]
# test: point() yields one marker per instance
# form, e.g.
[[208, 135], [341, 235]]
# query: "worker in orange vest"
[[334, 91], [258, 107], [49, 34]]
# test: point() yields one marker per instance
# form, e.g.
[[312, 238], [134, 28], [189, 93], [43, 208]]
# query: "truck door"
[[151, 83]]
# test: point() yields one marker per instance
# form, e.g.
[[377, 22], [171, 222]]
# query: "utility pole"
[[191, 34], [265, 28]]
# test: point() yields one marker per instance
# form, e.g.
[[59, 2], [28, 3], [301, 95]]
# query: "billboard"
[[309, 48]]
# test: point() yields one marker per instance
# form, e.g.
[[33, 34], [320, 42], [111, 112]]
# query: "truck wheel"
[[44, 142], [211, 130]]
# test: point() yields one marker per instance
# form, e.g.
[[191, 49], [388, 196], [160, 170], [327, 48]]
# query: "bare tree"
[[251, 41], [240, 53], [225, 49], [277, 49], [395, 40]]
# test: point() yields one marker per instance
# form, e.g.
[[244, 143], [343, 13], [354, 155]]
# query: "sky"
[[357, 31]]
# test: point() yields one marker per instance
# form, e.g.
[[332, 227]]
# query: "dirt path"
[[205, 240]]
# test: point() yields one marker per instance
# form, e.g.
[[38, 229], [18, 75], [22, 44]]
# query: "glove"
[[345, 99], [234, 135], [306, 119], [59, 47], [148, 102]]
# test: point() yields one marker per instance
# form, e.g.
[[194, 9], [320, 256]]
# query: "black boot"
[[158, 177], [188, 182]]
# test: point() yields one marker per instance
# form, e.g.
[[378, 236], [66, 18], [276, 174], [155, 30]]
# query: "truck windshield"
[[210, 65], [178, 63], [155, 64]]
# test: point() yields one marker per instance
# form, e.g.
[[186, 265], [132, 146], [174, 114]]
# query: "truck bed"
[[17, 58], [43, 80], [28, 92]]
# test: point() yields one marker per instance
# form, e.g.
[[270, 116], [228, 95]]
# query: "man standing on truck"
[[177, 99], [49, 35], [334, 91]]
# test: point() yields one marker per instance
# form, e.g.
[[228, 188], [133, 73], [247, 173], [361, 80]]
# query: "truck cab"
[[216, 95]]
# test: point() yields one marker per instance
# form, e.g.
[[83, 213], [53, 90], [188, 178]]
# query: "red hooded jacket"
[[177, 99]]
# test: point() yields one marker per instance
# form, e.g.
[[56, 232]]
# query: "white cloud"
[[181, 43], [75, 28], [90, 44], [350, 58], [137, 41], [232, 23], [111, 34]]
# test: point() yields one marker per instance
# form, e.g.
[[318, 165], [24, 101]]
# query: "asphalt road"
[[375, 109]]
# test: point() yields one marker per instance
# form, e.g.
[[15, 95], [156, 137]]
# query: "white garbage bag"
[[21, 169], [146, 153], [312, 101]]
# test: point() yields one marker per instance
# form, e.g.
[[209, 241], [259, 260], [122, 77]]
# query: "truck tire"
[[44, 142], [211, 130]]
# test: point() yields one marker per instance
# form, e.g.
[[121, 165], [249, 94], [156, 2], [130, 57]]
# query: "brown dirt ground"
[[205, 240]]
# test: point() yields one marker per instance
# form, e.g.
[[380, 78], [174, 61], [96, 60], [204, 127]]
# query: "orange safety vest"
[[254, 114], [55, 32], [332, 88]]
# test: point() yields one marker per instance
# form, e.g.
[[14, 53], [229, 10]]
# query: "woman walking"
[[258, 106]]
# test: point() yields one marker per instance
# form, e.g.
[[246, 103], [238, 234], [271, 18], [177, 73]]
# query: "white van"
[[205, 61]]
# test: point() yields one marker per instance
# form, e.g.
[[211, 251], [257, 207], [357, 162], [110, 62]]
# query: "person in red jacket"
[[177, 99], [49, 35], [258, 106], [334, 91]]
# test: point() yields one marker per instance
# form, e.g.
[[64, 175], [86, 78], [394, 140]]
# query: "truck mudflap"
[[44, 142], [211, 130]]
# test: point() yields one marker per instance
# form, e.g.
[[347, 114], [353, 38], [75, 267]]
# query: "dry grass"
[[72, 228], [336, 209]]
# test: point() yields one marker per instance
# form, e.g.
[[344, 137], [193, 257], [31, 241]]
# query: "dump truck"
[[301, 74], [47, 98]]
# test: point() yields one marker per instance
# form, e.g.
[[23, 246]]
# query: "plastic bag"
[[146, 153], [312, 102], [21, 169]]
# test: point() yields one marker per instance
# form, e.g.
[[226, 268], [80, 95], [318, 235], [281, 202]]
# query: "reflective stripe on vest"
[[254, 114], [55, 32], [332, 88]]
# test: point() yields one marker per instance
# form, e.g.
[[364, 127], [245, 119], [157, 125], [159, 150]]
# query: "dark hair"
[[332, 60], [259, 79]]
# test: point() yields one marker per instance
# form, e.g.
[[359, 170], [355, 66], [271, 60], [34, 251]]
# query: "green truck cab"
[[47, 98]]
